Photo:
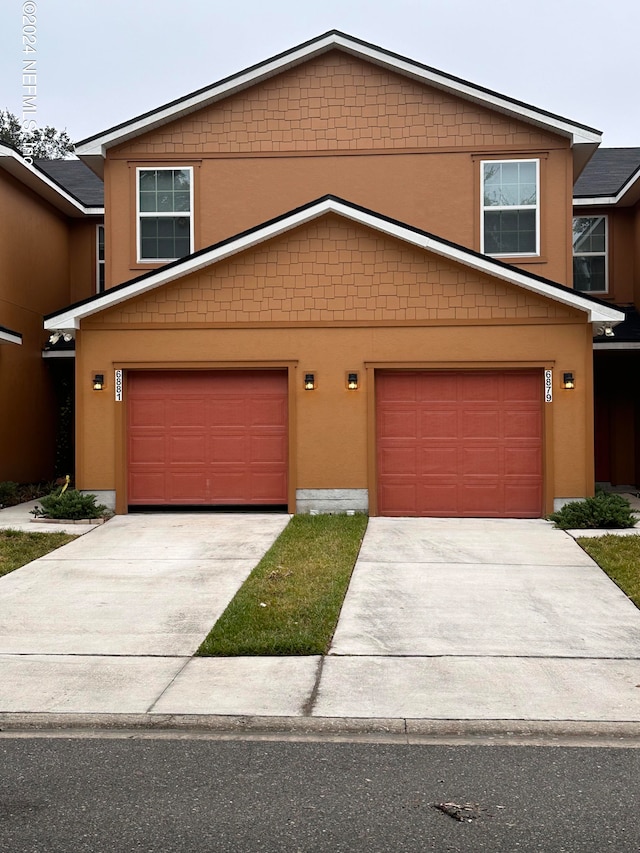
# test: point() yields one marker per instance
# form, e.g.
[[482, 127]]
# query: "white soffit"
[[96, 146], [72, 316]]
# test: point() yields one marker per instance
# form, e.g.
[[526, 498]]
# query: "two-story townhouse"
[[48, 256], [338, 280], [606, 244]]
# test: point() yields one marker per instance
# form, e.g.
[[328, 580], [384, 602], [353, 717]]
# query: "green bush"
[[71, 504], [603, 510], [8, 493]]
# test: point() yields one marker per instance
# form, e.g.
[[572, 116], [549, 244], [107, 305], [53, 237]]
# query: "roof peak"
[[94, 148]]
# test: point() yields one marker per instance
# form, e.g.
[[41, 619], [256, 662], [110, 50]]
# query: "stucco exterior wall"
[[337, 125], [83, 268], [422, 321], [34, 280]]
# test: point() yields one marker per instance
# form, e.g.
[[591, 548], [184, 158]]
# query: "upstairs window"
[[165, 205], [510, 210], [590, 254], [100, 259]]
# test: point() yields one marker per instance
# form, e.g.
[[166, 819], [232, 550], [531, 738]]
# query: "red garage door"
[[207, 437], [459, 443]]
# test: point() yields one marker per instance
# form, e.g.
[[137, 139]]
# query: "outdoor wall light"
[[352, 381], [98, 381], [309, 382], [568, 381]]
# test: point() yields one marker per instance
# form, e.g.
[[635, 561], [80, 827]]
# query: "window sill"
[[519, 259]]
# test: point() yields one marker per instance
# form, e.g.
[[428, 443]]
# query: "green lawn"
[[18, 548], [619, 556], [290, 603]]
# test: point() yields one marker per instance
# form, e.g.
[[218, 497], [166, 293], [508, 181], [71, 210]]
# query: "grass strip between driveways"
[[290, 603], [17, 548], [619, 557]]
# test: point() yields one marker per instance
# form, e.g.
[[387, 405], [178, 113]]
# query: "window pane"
[[165, 179], [511, 232], [165, 238], [181, 201], [164, 202], [148, 180], [181, 179], [147, 200], [165, 190], [589, 234], [510, 184], [589, 274]]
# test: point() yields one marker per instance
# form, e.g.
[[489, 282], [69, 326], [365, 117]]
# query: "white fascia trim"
[[619, 345], [69, 353], [601, 201], [7, 337], [596, 313], [100, 144], [15, 164]]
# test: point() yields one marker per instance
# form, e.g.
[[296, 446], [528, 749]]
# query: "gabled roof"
[[8, 336], [93, 149], [71, 317], [611, 177], [44, 185], [76, 178]]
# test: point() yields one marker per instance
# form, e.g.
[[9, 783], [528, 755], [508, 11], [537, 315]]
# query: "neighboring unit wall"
[[338, 125], [83, 254], [34, 274]]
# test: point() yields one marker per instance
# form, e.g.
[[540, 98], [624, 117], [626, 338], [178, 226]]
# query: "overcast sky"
[[100, 63]]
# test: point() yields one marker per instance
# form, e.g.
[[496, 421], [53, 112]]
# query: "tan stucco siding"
[[34, 280], [337, 125], [331, 298], [332, 431]]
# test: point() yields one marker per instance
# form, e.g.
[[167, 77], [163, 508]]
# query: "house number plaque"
[[118, 385], [548, 388]]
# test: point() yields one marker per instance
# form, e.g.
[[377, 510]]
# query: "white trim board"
[[72, 317], [95, 147], [618, 345], [9, 337]]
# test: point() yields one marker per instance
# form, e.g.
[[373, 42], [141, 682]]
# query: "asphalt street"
[[117, 795]]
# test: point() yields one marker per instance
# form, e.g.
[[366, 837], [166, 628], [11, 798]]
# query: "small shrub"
[[8, 493], [71, 504], [604, 510]]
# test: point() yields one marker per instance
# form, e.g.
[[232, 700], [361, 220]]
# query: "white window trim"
[[494, 207], [157, 214], [596, 254], [99, 263]]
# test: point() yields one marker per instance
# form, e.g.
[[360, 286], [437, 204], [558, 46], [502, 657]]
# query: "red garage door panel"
[[459, 443], [207, 437]]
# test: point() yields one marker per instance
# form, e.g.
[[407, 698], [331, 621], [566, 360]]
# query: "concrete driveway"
[[481, 619], [138, 585], [444, 620]]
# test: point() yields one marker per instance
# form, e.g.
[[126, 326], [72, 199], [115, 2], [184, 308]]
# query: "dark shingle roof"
[[76, 178], [607, 172]]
